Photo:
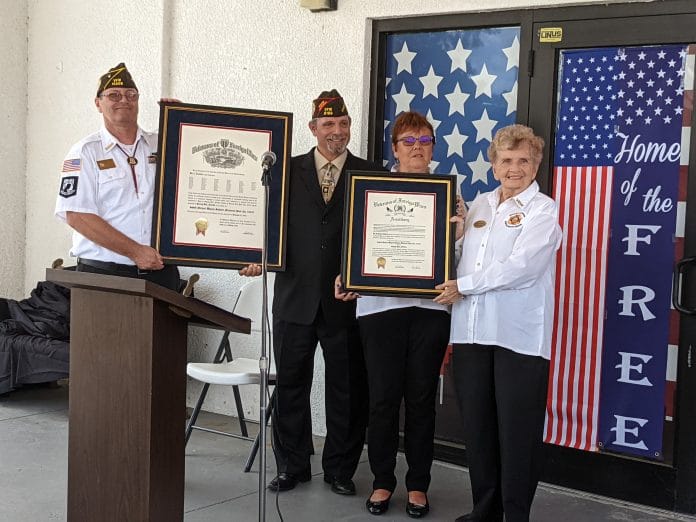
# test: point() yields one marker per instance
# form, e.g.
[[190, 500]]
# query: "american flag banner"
[[71, 165], [465, 83], [619, 148]]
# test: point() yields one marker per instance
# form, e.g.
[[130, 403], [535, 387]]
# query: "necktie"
[[327, 182]]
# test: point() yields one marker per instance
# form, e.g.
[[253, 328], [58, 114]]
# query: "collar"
[[521, 200], [395, 168], [109, 141], [320, 161]]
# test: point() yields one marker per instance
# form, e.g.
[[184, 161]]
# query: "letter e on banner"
[[626, 368], [621, 431]]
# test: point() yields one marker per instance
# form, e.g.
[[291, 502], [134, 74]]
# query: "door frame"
[[627, 478]]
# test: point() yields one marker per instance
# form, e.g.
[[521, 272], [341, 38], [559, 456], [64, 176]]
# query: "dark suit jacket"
[[313, 254]]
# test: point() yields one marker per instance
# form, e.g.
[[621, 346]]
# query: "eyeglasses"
[[410, 141], [116, 96]]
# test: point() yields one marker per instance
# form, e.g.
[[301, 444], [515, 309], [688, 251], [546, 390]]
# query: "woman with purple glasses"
[[404, 340]]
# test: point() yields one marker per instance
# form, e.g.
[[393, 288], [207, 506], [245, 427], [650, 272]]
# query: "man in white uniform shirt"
[[107, 189]]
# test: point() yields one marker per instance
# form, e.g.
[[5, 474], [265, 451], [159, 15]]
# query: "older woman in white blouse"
[[502, 319]]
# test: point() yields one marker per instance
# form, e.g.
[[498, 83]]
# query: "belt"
[[112, 267]]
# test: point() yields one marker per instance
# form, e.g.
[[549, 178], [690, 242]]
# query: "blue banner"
[[622, 108]]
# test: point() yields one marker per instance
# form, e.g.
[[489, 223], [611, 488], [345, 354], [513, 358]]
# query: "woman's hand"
[[340, 294], [459, 230], [460, 218], [450, 292]]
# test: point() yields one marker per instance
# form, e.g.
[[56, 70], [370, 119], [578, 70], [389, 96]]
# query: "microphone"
[[268, 159]]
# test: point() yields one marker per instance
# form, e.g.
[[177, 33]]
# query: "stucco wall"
[[267, 55], [13, 60]]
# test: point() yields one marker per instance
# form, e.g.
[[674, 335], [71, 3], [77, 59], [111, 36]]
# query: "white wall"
[[13, 59], [268, 54], [71, 44]]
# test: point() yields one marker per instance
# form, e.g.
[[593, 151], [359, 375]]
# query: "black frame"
[[664, 486], [278, 125], [358, 183]]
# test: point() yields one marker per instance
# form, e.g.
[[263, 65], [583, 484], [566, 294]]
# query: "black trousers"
[[345, 396], [403, 353], [168, 277], [502, 397]]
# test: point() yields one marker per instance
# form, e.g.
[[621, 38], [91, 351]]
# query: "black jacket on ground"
[[34, 337]]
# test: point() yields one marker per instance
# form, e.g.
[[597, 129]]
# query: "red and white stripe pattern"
[[71, 165], [673, 347], [584, 198]]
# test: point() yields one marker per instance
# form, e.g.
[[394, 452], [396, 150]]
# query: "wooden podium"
[[128, 395]]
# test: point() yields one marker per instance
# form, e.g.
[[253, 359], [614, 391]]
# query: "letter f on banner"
[[633, 238]]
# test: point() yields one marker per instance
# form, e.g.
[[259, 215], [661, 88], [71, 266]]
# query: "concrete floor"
[[33, 460]]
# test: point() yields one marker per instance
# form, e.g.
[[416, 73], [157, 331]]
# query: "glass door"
[[614, 99]]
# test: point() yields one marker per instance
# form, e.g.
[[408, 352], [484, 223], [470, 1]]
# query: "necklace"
[[132, 161]]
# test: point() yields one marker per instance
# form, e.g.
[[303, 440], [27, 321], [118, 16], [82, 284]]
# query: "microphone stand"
[[263, 361]]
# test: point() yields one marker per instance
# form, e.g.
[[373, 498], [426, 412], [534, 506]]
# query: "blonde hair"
[[512, 137]]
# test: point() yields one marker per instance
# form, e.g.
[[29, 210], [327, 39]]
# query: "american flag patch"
[[71, 165]]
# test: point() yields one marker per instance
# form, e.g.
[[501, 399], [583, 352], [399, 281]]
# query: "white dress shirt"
[[370, 304], [97, 179], [506, 273]]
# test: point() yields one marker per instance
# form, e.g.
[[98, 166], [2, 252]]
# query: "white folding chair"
[[228, 371]]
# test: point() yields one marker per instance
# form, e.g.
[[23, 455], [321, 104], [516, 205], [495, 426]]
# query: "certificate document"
[[397, 237], [399, 234], [219, 200], [210, 201]]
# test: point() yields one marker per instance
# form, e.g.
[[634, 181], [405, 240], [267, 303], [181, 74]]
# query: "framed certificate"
[[209, 199], [397, 238]]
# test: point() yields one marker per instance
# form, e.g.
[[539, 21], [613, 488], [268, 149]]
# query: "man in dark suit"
[[305, 312]]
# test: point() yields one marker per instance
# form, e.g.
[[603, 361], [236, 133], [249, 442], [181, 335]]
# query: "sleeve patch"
[[68, 186], [71, 165]]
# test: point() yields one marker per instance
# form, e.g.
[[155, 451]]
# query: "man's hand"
[[340, 294], [251, 270], [450, 292], [102, 233], [147, 258]]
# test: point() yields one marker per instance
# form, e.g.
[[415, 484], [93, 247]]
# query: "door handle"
[[679, 269]]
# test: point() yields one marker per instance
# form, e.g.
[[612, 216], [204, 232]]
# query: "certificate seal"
[[381, 263], [201, 225]]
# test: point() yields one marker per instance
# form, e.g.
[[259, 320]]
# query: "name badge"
[[479, 224], [106, 164]]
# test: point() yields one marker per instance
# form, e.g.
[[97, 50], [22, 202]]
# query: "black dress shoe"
[[377, 507], [340, 486], [417, 510], [287, 481], [466, 518]]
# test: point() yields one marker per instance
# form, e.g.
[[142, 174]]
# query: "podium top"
[[201, 312]]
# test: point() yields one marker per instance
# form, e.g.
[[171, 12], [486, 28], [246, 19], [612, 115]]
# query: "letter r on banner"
[[628, 301]]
